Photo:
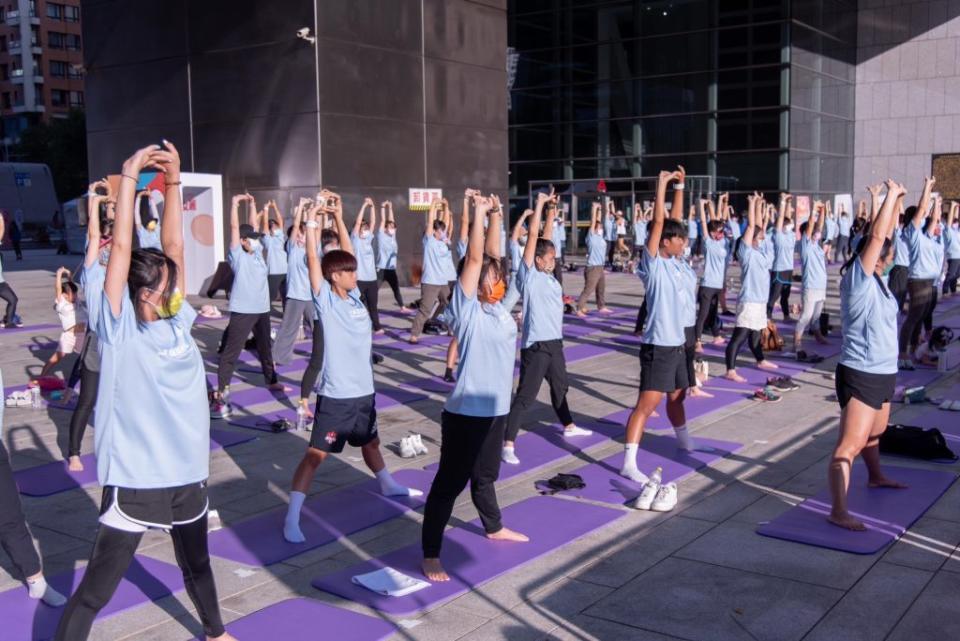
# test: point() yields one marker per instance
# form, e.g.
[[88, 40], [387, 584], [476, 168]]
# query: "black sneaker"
[[782, 384]]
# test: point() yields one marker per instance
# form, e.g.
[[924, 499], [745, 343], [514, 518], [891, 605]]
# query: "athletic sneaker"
[[782, 384], [575, 431], [219, 409], [767, 395], [666, 498], [17, 321], [906, 364], [647, 495], [406, 447], [417, 442]]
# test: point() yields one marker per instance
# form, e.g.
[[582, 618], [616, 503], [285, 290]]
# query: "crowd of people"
[[126, 317]]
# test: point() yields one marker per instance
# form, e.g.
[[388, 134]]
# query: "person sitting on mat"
[[249, 307], [152, 426], [474, 417], [663, 361], [867, 372], [541, 353], [813, 257], [346, 403]]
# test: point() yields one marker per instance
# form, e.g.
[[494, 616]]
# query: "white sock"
[[389, 487], [684, 440], [508, 455], [629, 468], [291, 525], [39, 589]]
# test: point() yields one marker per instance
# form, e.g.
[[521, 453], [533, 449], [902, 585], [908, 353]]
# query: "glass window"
[[760, 170], [54, 11], [71, 14], [58, 69]]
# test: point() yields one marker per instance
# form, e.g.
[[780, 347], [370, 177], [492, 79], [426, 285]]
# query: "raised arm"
[[552, 208], [359, 221], [703, 214], [432, 215], [373, 215], [596, 218], [276, 213], [58, 283], [167, 160], [468, 195], [880, 229], [782, 213], [93, 223], [473, 263], [874, 200], [313, 237], [676, 210], [299, 214], [530, 251], [924, 204], [136, 207], [821, 221], [659, 212], [493, 227], [515, 235], [816, 211], [935, 215], [118, 268], [264, 218], [383, 215], [952, 216], [447, 218], [235, 220]]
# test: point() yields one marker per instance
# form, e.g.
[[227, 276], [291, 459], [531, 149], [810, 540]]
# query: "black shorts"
[[339, 421], [663, 369], [159, 507], [871, 389]]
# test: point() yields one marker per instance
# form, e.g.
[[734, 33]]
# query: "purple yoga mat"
[[42, 327], [605, 484], [887, 513], [296, 620], [694, 407], [146, 580], [918, 377], [52, 478], [471, 559], [583, 351], [386, 398], [258, 541]]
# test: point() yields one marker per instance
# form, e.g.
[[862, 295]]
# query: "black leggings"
[[928, 319], [7, 294], [542, 360], [309, 380], [469, 453], [953, 274], [707, 300], [780, 283], [390, 275], [86, 399], [370, 295], [740, 335], [276, 285], [690, 353], [897, 283], [235, 337], [922, 301], [113, 551], [14, 536], [641, 317]]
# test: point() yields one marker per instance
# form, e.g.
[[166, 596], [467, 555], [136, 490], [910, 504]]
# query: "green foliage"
[[60, 144]]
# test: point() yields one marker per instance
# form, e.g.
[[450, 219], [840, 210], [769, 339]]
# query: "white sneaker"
[[508, 455], [645, 500], [417, 442], [576, 431], [666, 498], [406, 447]]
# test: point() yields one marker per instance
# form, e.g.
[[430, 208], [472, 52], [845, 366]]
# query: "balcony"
[[14, 46], [13, 18]]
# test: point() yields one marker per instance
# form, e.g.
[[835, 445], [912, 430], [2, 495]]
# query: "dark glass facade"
[[755, 94]]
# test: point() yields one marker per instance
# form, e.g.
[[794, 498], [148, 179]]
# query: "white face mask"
[[278, 233], [391, 232], [364, 234], [788, 228], [329, 248], [254, 244]]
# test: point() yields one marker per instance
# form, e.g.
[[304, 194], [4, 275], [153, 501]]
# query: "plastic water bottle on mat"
[[36, 402], [657, 476], [301, 418]]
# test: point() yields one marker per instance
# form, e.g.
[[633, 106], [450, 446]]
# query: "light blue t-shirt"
[[596, 250], [559, 236], [951, 242], [869, 322], [298, 276], [436, 261], [640, 233], [926, 254], [688, 293], [542, 305], [766, 247], [250, 293], [152, 400], [276, 256], [663, 281], [516, 257], [784, 244], [387, 251], [754, 274], [462, 249], [693, 229], [844, 224], [149, 239], [487, 335], [814, 262], [366, 259], [734, 228], [715, 263], [609, 228], [902, 249], [348, 341], [831, 228]]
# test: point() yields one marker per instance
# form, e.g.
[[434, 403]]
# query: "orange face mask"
[[496, 293]]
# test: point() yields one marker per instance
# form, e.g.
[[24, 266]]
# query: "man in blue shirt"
[[594, 280], [951, 246], [926, 263], [434, 283], [274, 242], [781, 276]]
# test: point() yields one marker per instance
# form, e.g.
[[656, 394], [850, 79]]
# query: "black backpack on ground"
[[916, 442]]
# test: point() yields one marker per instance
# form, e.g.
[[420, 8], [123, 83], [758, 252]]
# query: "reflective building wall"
[[394, 94], [757, 94]]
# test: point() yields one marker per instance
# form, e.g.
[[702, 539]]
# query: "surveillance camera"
[[304, 34]]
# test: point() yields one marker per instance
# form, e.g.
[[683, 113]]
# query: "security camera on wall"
[[304, 34]]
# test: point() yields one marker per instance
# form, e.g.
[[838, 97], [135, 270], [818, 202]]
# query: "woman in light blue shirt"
[[951, 247], [274, 243], [594, 279], [387, 250], [926, 263], [541, 345], [346, 402], [474, 417], [716, 249], [784, 246], [867, 372], [434, 283], [367, 283], [152, 427], [813, 257]]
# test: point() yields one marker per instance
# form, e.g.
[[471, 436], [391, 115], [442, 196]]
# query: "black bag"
[[562, 482], [435, 327], [281, 425], [824, 324], [915, 442]]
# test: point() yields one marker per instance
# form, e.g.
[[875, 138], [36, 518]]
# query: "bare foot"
[[719, 340], [699, 348], [433, 570], [74, 464], [605, 310], [508, 535], [405, 310], [767, 365], [379, 332], [696, 392], [733, 376], [414, 340], [654, 414], [581, 313], [847, 522], [226, 636], [885, 482]]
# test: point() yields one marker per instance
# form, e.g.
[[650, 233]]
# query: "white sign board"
[[841, 203], [420, 198]]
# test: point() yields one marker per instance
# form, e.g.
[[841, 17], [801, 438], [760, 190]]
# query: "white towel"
[[390, 582]]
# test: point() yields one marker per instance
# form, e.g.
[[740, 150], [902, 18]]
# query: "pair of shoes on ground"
[[782, 384], [767, 394], [19, 399], [657, 497], [411, 446], [906, 364], [16, 322]]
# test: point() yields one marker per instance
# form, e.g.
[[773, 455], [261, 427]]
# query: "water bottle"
[[657, 476], [35, 397], [301, 418], [942, 365]]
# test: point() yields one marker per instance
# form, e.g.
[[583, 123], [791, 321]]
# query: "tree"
[[61, 144]]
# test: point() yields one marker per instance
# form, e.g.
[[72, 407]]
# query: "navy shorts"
[[341, 421], [663, 369]]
